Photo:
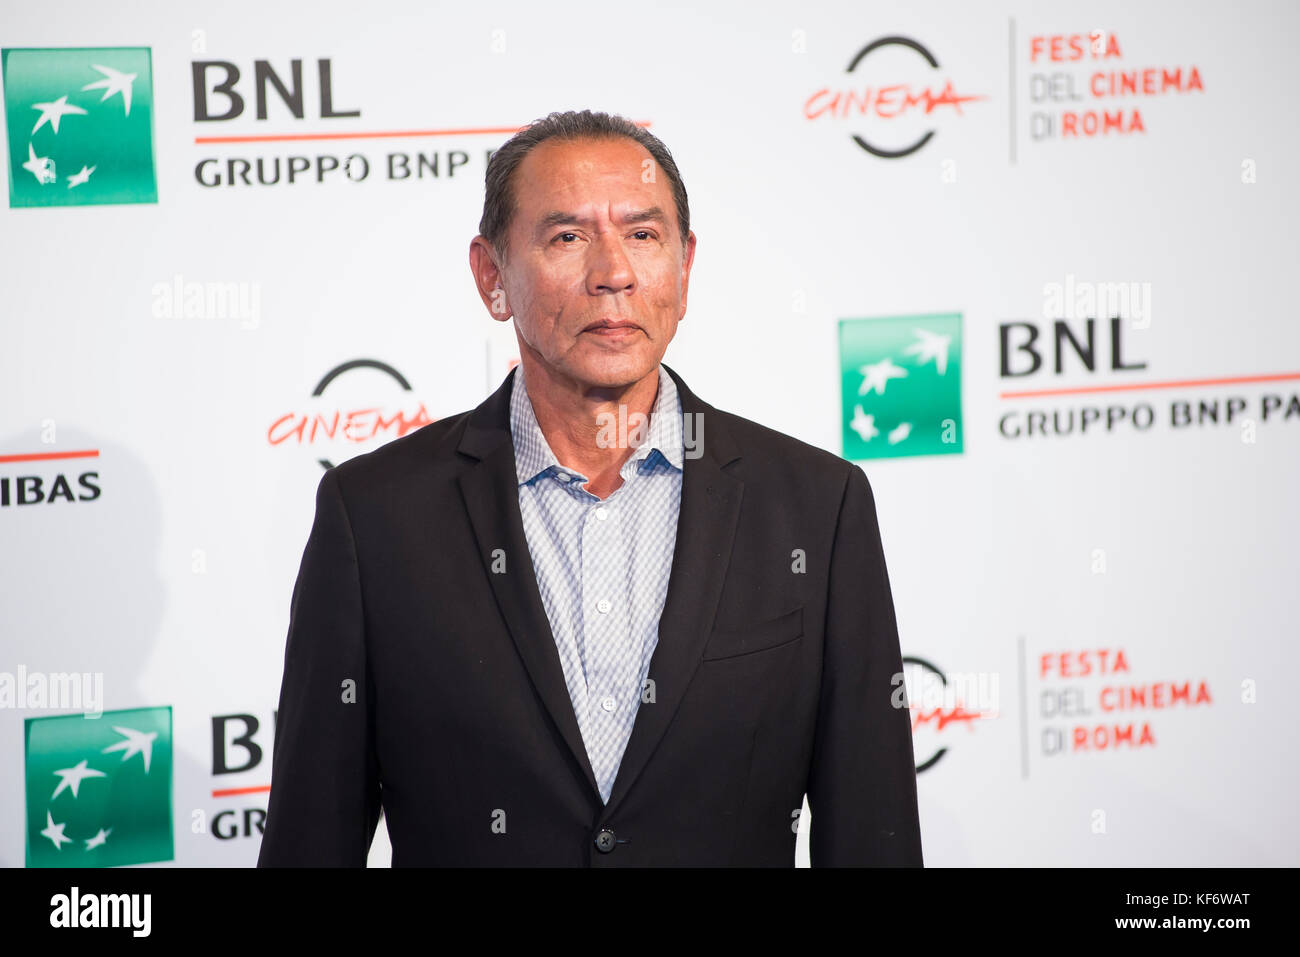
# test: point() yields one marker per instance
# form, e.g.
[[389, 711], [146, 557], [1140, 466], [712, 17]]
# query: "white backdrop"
[[1173, 544]]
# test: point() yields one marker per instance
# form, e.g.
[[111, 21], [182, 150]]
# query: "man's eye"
[[562, 235], [642, 234]]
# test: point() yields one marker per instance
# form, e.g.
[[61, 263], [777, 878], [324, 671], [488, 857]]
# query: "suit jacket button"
[[605, 841]]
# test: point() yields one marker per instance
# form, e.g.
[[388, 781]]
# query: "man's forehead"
[[557, 168]]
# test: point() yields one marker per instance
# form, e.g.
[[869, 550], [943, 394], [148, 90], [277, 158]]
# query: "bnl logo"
[[99, 790], [900, 381], [80, 126]]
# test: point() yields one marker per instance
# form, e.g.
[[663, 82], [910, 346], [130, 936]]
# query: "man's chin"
[[616, 372]]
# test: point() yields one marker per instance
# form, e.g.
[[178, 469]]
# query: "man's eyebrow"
[[561, 218], [652, 213]]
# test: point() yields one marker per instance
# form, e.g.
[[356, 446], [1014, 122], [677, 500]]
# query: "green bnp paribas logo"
[[99, 790], [80, 126], [900, 379]]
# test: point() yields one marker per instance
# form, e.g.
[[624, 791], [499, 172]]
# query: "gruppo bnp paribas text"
[[282, 97]]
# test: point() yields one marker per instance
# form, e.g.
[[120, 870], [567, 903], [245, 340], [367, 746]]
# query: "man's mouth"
[[612, 327]]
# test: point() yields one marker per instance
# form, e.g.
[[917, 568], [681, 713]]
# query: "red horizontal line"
[[1171, 384], [379, 135], [232, 792], [46, 456]]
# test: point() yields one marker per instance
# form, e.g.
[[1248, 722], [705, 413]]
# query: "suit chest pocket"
[[750, 639]]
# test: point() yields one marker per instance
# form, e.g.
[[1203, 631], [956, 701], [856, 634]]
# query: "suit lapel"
[[706, 529], [491, 493]]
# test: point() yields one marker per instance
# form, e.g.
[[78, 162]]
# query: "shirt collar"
[[533, 455]]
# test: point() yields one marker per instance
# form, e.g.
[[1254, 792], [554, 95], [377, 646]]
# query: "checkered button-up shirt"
[[602, 566]]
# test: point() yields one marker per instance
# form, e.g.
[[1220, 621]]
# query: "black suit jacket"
[[774, 674]]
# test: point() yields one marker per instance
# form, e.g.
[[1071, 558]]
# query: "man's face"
[[597, 276]]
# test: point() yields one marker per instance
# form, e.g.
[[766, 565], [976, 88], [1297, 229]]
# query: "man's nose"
[[608, 268]]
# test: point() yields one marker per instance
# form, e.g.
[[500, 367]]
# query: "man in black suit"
[[537, 640]]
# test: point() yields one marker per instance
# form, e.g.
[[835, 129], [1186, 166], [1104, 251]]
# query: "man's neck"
[[585, 427]]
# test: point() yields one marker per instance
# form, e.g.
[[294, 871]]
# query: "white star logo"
[[42, 167], [113, 82], [76, 179], [53, 112], [99, 839], [864, 424], [137, 742], [72, 778], [55, 832], [877, 375], [902, 431], [931, 346]]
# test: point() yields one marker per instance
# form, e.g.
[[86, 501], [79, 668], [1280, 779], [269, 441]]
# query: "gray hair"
[[499, 200]]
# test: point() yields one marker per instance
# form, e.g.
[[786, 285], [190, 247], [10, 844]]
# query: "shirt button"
[[562, 476], [603, 605], [607, 703], [602, 513], [605, 841]]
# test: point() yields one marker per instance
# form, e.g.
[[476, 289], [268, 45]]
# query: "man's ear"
[[687, 259], [488, 278]]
